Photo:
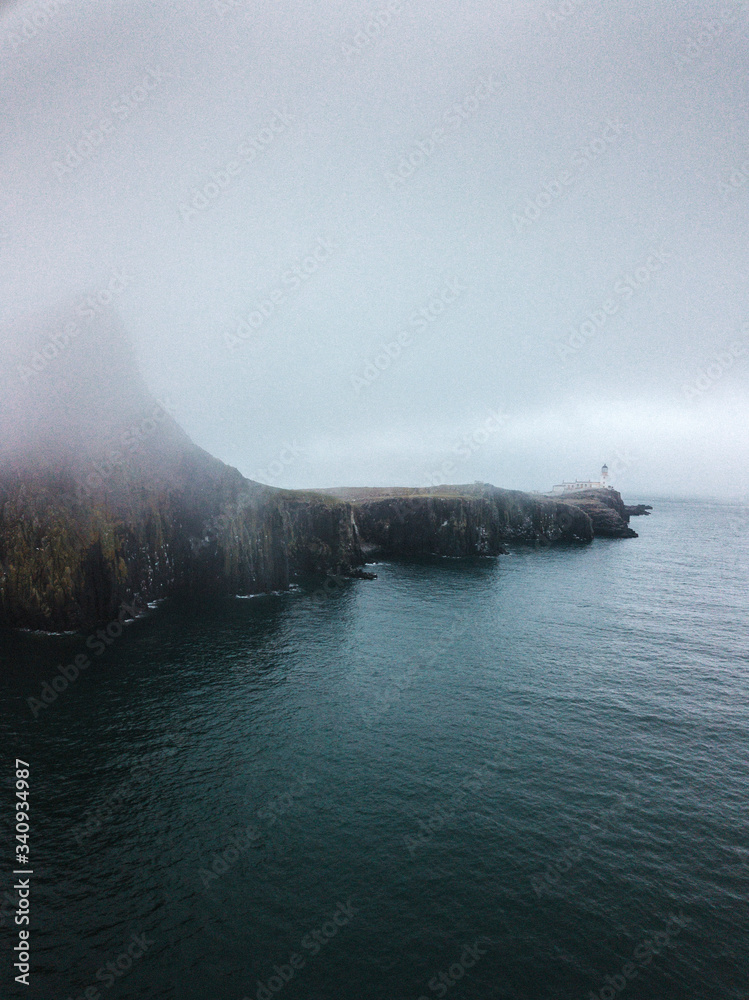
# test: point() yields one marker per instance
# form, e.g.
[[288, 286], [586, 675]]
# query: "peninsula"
[[105, 501]]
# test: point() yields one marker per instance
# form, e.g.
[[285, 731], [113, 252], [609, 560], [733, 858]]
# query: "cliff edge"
[[105, 500]]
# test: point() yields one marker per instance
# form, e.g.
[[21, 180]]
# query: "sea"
[[523, 778]]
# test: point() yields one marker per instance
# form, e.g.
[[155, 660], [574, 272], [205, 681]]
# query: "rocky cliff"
[[66, 563], [608, 512], [461, 520], [105, 500]]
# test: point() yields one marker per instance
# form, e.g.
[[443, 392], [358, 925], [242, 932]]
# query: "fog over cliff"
[[389, 242]]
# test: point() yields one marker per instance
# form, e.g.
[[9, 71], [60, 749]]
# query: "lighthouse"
[[584, 484]]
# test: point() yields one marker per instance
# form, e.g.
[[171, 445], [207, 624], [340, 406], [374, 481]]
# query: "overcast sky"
[[468, 240]]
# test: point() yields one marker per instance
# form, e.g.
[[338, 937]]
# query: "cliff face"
[[75, 548], [67, 564], [267, 538], [607, 511], [105, 500], [461, 520]]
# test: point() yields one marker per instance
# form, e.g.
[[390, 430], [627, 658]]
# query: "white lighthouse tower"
[[605, 476]]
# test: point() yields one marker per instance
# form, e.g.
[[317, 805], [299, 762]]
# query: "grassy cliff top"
[[468, 491]]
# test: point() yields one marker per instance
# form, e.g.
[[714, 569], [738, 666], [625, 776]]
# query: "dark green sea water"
[[515, 773]]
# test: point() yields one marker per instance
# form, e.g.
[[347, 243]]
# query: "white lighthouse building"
[[585, 484]]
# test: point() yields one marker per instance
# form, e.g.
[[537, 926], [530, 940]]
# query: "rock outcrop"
[[607, 511]]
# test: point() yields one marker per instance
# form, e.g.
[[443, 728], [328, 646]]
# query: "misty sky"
[[362, 243]]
